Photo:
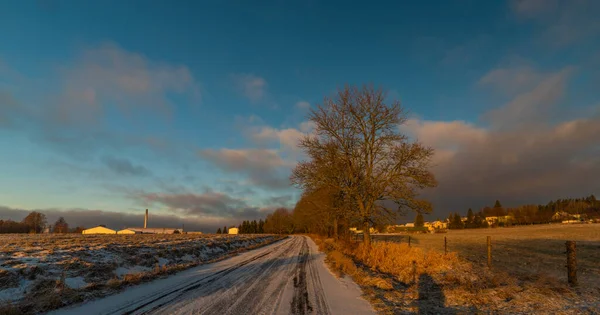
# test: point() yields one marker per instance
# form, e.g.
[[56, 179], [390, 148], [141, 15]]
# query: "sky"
[[193, 109]]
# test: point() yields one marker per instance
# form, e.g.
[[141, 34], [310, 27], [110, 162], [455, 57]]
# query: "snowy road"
[[287, 277]]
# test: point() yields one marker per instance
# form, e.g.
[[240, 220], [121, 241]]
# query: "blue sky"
[[193, 109]]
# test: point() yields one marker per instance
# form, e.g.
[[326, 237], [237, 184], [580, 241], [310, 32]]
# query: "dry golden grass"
[[526, 251], [399, 279]]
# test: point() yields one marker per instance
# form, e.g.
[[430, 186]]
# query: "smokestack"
[[146, 219]]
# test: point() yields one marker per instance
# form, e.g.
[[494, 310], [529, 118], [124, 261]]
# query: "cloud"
[[303, 105], [285, 139], [534, 8], [280, 201], [206, 204], [251, 86], [124, 167], [100, 80], [523, 156], [288, 138], [264, 167], [563, 22], [511, 80], [535, 104], [108, 75]]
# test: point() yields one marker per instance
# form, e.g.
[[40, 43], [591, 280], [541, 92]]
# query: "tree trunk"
[[335, 228], [367, 234]]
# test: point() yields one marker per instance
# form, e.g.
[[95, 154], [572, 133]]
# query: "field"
[[523, 251], [42, 272], [528, 275]]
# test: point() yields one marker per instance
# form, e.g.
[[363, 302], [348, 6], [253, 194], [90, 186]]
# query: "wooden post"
[[409, 241], [572, 263], [445, 246], [414, 263], [489, 251]]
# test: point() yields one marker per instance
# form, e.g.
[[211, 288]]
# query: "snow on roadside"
[[121, 271], [75, 283], [344, 296], [96, 265]]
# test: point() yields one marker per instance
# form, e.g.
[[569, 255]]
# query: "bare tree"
[[279, 222], [357, 148], [35, 221], [61, 226]]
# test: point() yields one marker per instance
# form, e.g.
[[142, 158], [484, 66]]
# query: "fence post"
[[572, 263], [409, 241], [414, 263], [445, 246], [489, 251]]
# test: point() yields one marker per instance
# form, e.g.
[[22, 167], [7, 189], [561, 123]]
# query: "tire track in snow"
[[287, 277], [173, 294]]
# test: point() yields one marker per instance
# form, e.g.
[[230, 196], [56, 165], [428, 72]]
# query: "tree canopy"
[[357, 150]]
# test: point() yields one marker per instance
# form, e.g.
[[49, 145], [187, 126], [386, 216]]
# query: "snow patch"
[[75, 283], [121, 271], [13, 294], [163, 261]]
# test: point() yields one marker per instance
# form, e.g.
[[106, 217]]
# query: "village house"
[[491, 220], [233, 230]]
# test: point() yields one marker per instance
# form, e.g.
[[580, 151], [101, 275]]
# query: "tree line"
[[36, 222], [554, 211], [247, 227]]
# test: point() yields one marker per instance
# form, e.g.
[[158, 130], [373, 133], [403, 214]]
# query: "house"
[[491, 220], [560, 215], [499, 219], [233, 230], [409, 225], [100, 229], [439, 225]]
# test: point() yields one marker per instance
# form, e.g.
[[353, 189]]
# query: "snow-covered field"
[[288, 277], [43, 272]]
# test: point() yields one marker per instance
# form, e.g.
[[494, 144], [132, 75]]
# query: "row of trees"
[[247, 227], [587, 207], [36, 222]]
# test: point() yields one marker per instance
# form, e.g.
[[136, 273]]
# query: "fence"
[[526, 256]]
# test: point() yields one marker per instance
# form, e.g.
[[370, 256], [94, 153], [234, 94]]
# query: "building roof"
[[154, 230], [99, 228]]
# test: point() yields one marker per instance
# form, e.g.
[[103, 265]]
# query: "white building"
[[127, 231], [151, 231], [99, 230], [233, 230]]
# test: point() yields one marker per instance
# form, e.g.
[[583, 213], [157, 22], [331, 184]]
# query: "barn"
[[127, 231], [137, 230], [233, 230], [100, 229]]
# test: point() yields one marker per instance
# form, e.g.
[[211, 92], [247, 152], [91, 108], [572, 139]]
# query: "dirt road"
[[287, 277]]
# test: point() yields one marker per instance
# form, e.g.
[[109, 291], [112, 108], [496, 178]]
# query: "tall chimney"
[[146, 219]]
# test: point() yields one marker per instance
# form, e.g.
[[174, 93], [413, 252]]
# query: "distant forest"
[[587, 208], [35, 222]]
